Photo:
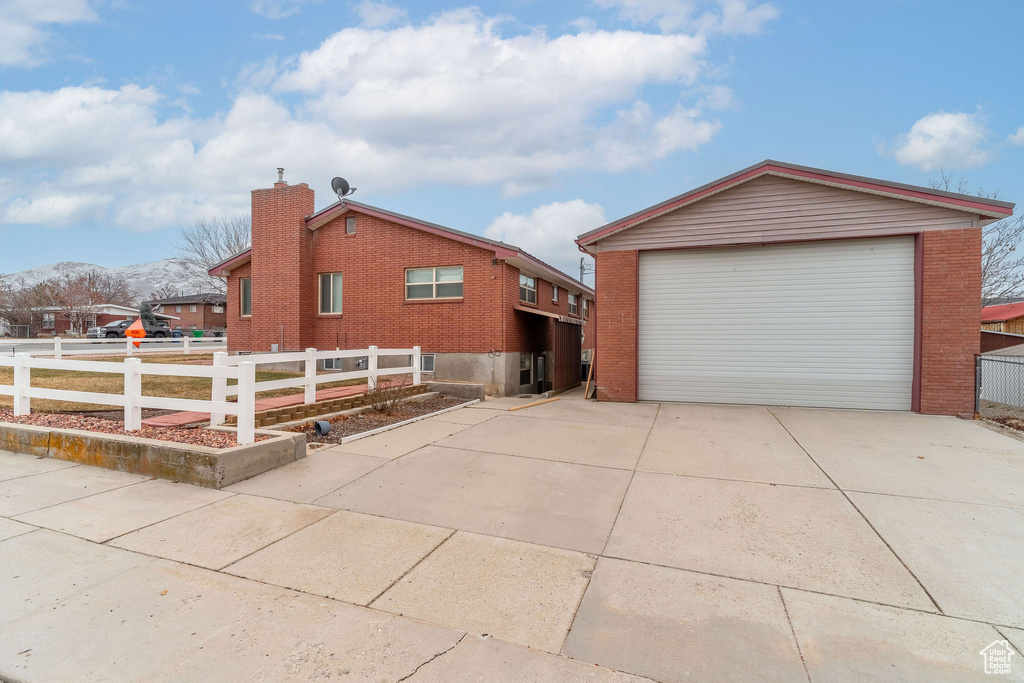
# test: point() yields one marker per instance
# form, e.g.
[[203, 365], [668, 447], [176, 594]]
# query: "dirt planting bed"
[[193, 436], [364, 422]]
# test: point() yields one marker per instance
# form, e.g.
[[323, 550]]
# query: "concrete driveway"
[[566, 541]]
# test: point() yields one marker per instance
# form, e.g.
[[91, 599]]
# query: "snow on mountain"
[[146, 278]]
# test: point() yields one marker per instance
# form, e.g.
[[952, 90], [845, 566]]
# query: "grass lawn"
[[107, 383]]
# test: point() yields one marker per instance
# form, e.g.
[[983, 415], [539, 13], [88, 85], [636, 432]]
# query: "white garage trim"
[[826, 323]]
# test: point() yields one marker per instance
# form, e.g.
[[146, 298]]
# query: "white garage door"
[[826, 323]]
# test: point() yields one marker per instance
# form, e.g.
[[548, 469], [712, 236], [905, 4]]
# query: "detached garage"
[[786, 285]]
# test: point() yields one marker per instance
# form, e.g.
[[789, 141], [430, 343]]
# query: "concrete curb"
[[199, 465]]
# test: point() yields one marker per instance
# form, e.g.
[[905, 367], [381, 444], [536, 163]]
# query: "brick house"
[[203, 311], [788, 285], [49, 320], [353, 275]]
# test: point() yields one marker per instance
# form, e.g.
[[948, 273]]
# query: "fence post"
[[246, 403], [132, 394], [310, 384], [128, 346], [187, 345], [56, 348], [219, 389], [371, 369], [977, 384], [22, 381], [415, 365]]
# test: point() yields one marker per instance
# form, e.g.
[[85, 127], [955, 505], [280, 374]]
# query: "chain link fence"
[[1000, 389]]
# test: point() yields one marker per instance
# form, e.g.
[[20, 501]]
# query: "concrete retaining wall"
[[210, 467]]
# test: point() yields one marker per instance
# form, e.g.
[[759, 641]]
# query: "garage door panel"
[[813, 324]]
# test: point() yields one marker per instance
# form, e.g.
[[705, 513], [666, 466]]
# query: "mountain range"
[[145, 278]]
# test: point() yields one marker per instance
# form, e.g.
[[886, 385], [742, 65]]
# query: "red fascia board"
[[793, 172], [218, 270]]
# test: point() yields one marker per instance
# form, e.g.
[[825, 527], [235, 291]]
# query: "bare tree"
[[111, 289], [1002, 266], [18, 304], [208, 242], [166, 291]]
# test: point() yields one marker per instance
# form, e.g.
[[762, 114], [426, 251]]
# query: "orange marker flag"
[[136, 331]]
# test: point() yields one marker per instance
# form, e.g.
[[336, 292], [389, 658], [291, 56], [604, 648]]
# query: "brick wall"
[[239, 328], [950, 315], [281, 266], [615, 362], [203, 319], [374, 308]]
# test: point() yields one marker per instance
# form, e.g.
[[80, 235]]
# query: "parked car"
[[116, 329]]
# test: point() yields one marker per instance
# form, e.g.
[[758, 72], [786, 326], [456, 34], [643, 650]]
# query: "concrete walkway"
[[563, 542], [186, 418]]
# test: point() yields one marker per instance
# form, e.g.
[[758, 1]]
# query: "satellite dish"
[[341, 187]]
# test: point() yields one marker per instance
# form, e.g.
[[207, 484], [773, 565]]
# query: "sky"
[[530, 121]]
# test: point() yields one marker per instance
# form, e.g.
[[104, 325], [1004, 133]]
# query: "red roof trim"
[[218, 270], [1000, 208], [1002, 312]]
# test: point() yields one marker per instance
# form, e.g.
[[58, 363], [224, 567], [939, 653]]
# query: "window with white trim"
[[330, 293], [245, 296], [218, 309], [49, 321], [554, 294], [192, 308], [177, 309], [443, 282], [574, 308], [350, 225], [527, 288], [586, 308]]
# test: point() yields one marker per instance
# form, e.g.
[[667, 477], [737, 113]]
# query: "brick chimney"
[[282, 266]]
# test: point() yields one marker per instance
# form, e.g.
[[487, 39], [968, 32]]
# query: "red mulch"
[[193, 436]]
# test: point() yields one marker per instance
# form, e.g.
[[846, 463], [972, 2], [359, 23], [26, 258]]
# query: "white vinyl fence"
[[58, 347], [132, 398], [310, 358]]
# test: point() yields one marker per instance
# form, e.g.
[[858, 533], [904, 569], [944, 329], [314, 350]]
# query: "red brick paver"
[[191, 417]]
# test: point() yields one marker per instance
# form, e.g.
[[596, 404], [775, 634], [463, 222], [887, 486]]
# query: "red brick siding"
[[950, 315], [616, 351], [203, 319], [281, 265], [374, 309], [239, 328]]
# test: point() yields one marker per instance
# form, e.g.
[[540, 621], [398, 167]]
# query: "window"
[[427, 362], [192, 309], [330, 293], [434, 283], [350, 225], [527, 288], [49, 321], [245, 296], [525, 368], [218, 309], [554, 293], [574, 308], [177, 309], [586, 308]]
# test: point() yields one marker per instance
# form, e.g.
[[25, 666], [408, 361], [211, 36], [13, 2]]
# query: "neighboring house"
[[204, 311], [352, 275], [787, 285], [50, 320], [1003, 318]]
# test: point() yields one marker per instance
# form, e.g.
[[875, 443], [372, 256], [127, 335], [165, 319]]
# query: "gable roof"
[[1002, 312], [214, 298], [511, 253], [992, 209]]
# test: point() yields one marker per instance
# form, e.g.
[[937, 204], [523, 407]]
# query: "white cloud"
[[378, 14], [23, 35], [1017, 138], [549, 230], [452, 101], [277, 9], [723, 16], [944, 139]]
